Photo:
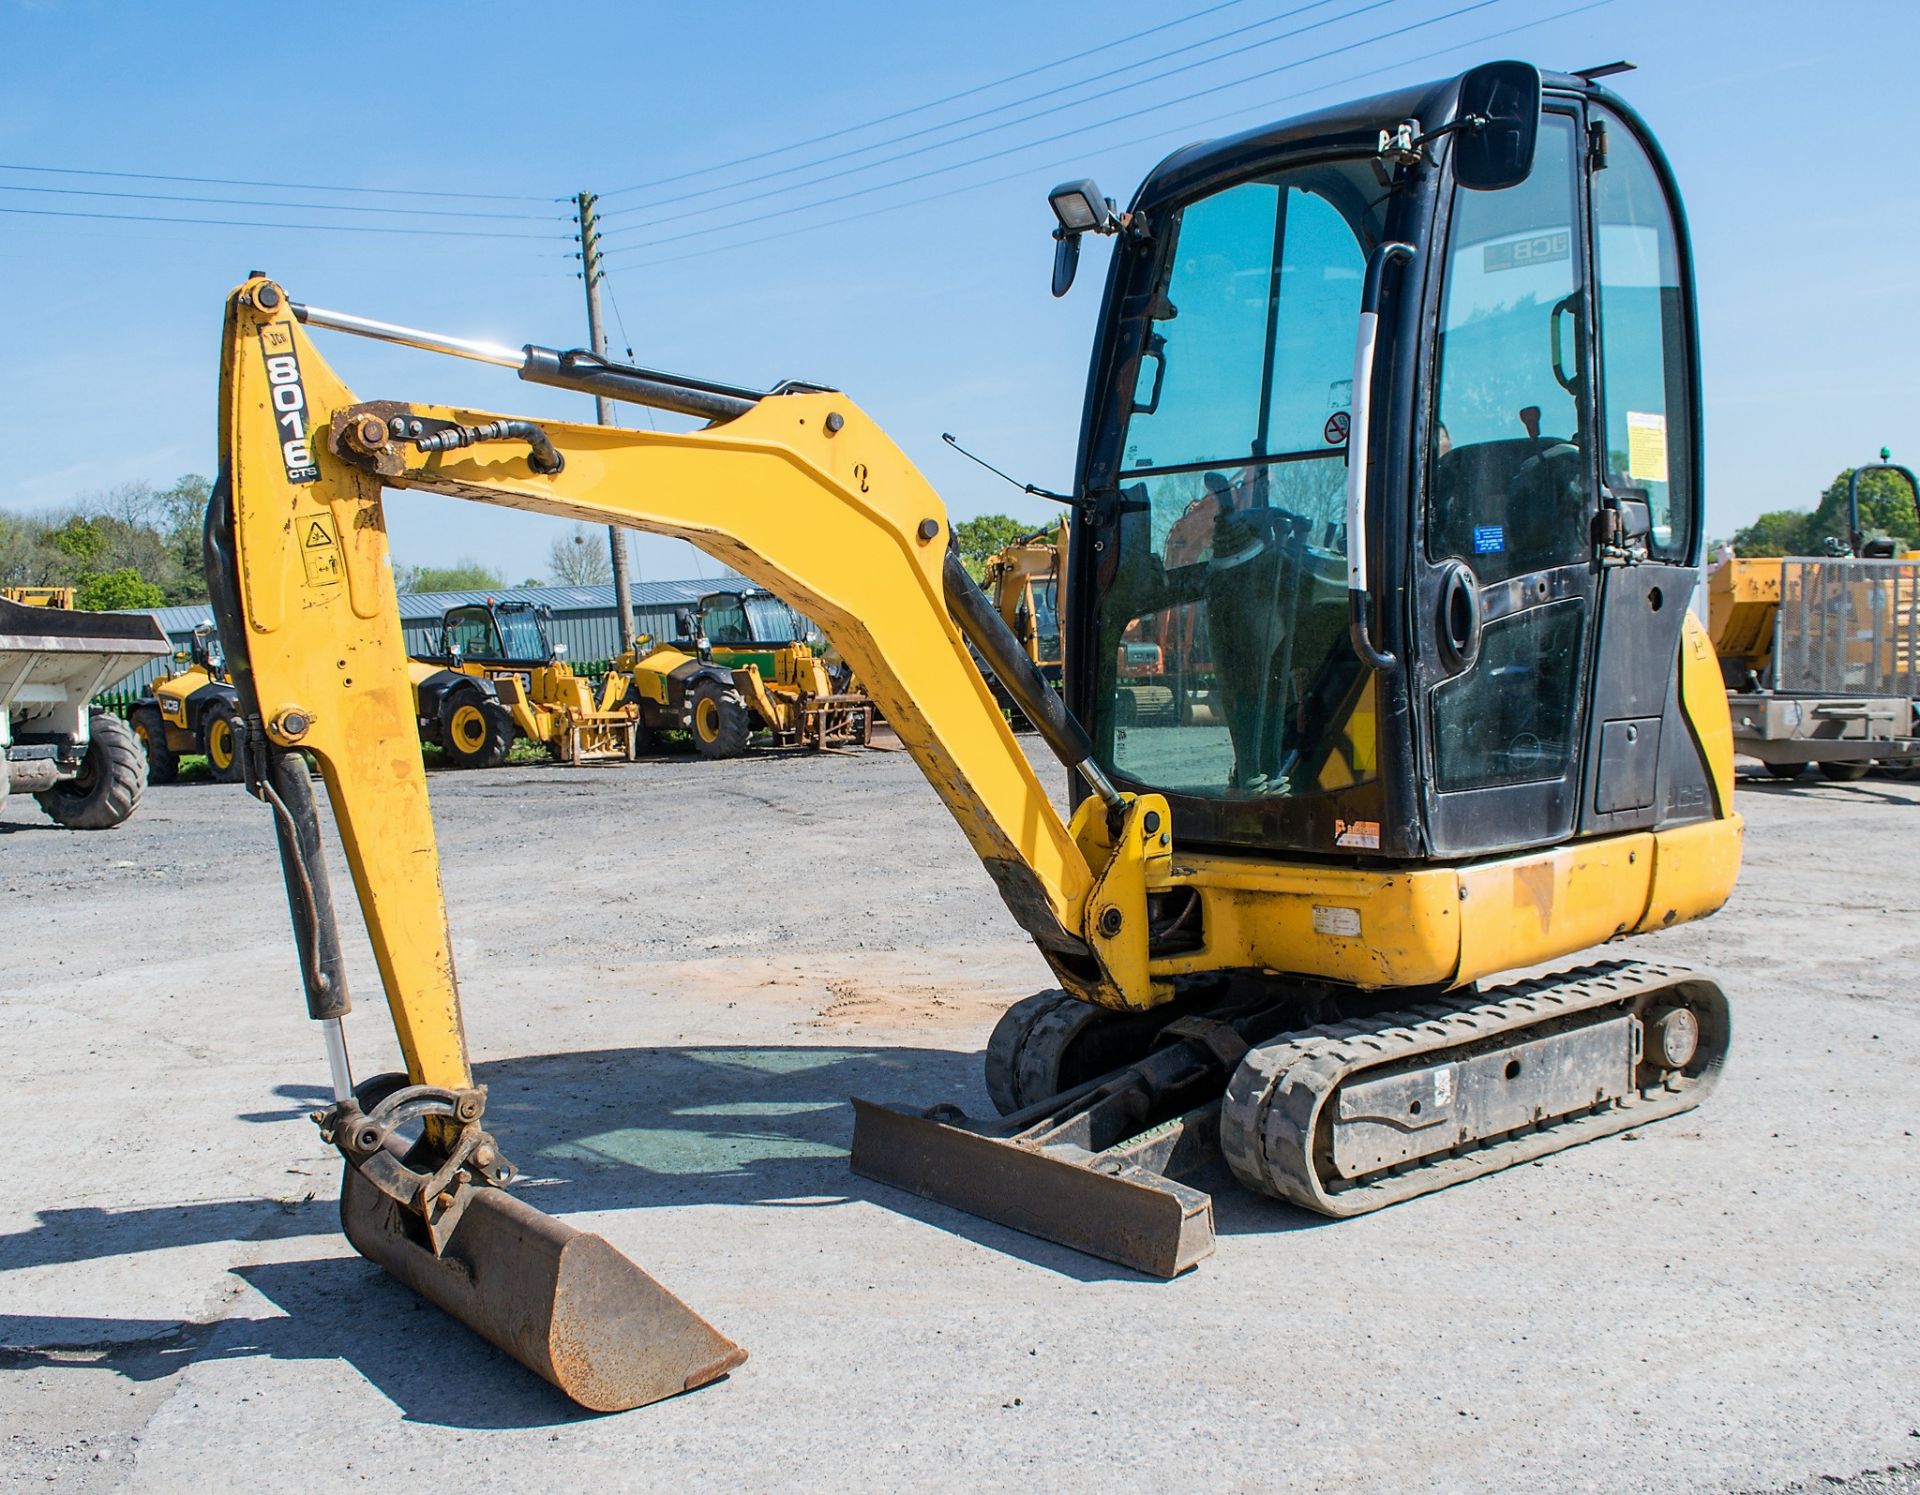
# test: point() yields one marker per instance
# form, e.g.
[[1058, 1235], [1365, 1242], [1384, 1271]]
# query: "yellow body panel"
[[1703, 702]]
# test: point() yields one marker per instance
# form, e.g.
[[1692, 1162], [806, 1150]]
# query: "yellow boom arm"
[[802, 493]]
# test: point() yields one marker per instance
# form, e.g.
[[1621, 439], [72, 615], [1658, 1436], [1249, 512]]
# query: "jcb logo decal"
[[289, 402]]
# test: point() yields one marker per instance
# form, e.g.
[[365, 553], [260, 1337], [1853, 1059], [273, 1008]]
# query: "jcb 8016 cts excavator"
[[1403, 398]]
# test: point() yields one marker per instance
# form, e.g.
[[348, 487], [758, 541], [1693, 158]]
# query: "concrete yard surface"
[[675, 973]]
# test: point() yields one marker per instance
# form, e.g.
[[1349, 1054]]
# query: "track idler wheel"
[[561, 1301], [1050, 1043]]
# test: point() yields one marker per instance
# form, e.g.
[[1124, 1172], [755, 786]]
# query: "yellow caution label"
[[1646, 447], [319, 549]]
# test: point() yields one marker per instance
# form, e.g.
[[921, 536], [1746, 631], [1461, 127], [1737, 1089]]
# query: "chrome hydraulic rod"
[[411, 337]]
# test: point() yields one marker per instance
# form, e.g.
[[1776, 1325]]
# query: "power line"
[[1047, 93], [1026, 171], [233, 202], [883, 119], [1081, 129], [221, 181], [324, 228]]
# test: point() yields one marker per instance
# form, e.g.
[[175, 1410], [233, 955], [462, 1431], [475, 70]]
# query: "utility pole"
[[603, 408]]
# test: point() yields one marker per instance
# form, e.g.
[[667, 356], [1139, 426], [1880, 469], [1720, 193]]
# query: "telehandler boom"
[[1402, 398]]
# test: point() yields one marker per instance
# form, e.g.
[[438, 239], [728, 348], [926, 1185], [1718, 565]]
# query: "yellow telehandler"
[[1447, 486], [195, 709], [498, 675], [745, 666]]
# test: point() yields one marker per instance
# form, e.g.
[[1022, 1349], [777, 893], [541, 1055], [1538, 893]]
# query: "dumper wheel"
[[1845, 773], [476, 732], [163, 764], [1784, 770], [221, 734], [721, 723], [111, 780]]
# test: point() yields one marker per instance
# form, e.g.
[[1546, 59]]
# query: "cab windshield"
[[520, 630], [1223, 663]]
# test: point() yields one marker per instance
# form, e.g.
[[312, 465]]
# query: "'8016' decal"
[[289, 402]]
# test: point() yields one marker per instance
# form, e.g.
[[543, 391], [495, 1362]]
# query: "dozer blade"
[[1099, 1203], [561, 1301]]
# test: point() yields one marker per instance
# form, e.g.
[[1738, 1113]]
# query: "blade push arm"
[[801, 493]]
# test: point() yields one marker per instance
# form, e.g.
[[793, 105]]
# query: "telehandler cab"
[[1422, 372]]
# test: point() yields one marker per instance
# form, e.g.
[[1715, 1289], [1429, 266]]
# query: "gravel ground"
[[674, 975]]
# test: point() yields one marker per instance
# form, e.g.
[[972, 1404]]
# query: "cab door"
[[1504, 591], [1642, 767]]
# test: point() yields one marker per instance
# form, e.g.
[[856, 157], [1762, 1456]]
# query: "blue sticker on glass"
[[1489, 539]]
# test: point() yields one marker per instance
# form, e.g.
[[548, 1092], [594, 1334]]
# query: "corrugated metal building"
[[582, 617]]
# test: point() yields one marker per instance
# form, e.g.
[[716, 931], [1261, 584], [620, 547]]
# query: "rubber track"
[[1275, 1099], [1018, 1074]]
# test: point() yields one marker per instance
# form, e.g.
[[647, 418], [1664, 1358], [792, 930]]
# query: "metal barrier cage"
[[1848, 627]]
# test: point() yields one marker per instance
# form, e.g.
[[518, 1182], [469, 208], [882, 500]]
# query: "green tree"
[[81, 541], [981, 537], [1780, 532], [106, 591], [467, 576]]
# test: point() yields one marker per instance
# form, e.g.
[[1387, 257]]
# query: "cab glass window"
[[470, 632], [1222, 660], [1645, 401], [724, 621], [1509, 492]]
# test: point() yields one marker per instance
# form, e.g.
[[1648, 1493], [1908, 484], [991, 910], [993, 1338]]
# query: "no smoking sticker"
[[1336, 428]]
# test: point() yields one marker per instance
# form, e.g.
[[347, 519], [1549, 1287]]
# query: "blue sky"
[[1788, 125]]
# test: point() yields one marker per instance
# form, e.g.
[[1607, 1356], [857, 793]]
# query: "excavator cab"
[[1380, 685], [1461, 638]]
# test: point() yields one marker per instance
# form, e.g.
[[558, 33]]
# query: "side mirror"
[[1066, 260], [1080, 208], [1499, 116]]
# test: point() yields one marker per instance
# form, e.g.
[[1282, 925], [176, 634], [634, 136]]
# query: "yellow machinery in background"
[[1821, 654], [61, 597], [193, 710], [1255, 957], [747, 665], [498, 675]]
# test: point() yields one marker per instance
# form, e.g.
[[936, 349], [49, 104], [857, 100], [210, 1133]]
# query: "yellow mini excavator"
[[1402, 400]]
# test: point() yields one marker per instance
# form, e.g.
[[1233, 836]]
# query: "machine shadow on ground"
[[595, 1131]]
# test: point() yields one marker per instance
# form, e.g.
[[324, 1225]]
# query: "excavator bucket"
[[561, 1301]]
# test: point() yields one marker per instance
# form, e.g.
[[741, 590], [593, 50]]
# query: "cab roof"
[[1354, 124]]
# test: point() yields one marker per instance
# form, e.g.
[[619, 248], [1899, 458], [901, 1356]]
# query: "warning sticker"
[[1334, 920], [1489, 539], [1646, 447], [319, 549], [1364, 834]]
